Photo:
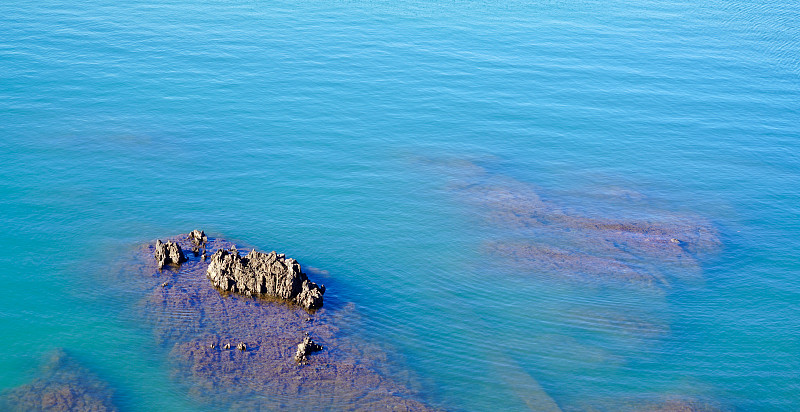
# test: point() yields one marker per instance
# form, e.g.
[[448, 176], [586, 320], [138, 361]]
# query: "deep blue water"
[[343, 133]]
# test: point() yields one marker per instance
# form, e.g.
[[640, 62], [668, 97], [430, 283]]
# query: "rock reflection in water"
[[204, 326]]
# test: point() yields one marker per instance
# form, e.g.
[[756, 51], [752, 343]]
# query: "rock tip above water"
[[198, 237], [264, 274], [305, 348], [168, 253]]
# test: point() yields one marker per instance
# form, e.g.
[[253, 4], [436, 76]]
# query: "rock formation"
[[198, 237], [264, 274], [199, 240], [204, 327], [305, 348], [63, 386], [168, 253]]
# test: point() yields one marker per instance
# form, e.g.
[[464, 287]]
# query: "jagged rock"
[[63, 385], [168, 253], [198, 237], [242, 347], [305, 348], [310, 297], [266, 274], [227, 346]]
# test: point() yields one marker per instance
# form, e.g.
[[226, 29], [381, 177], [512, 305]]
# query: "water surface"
[[344, 133]]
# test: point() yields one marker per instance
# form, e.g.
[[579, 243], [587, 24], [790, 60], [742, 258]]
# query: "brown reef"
[[204, 328], [63, 385], [656, 252], [657, 404]]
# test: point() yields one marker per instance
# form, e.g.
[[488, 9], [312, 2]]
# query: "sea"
[[494, 186]]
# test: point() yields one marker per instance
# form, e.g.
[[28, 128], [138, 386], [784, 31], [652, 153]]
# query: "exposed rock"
[[241, 347], [63, 386], [263, 274], [198, 237], [305, 348], [227, 346], [168, 253], [310, 297]]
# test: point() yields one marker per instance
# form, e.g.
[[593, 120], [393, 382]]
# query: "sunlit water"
[[343, 132]]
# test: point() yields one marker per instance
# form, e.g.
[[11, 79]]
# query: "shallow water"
[[347, 134]]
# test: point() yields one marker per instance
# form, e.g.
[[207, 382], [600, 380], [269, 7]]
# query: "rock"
[[242, 347], [198, 237], [263, 274], [168, 253], [165, 284], [305, 348], [311, 295], [227, 346], [212, 346]]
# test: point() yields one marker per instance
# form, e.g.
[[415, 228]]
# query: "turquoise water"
[[340, 132]]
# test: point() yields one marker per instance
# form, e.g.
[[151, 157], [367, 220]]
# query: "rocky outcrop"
[[199, 240], [63, 385], [204, 328], [310, 295], [263, 274], [198, 237], [305, 348], [168, 253]]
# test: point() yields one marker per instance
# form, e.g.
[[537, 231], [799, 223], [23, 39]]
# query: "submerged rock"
[[665, 403], [168, 253], [572, 263], [651, 249], [263, 274], [305, 348], [63, 386]]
